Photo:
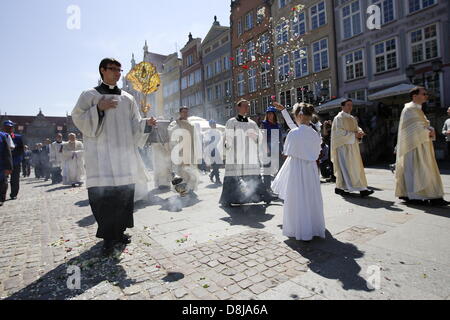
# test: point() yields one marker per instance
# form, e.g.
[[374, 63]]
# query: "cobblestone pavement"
[[200, 251]]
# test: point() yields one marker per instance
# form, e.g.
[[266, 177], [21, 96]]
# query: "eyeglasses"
[[114, 69]]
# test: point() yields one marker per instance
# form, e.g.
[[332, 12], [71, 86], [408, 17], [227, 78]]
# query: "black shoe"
[[126, 239], [1, 203], [13, 198], [366, 193], [439, 202], [341, 192]]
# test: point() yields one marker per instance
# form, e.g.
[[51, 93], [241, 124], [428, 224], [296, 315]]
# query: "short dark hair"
[[415, 91], [345, 101], [240, 102], [105, 62], [183, 108]]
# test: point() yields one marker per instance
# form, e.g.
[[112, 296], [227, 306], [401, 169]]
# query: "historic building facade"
[[170, 79], [251, 45], [35, 129], [216, 52], [304, 51], [409, 47], [192, 86]]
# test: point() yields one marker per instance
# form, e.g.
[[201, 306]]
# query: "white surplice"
[[55, 155], [111, 143], [73, 163], [298, 184]]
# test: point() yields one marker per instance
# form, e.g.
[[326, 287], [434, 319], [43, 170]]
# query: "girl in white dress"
[[298, 183]]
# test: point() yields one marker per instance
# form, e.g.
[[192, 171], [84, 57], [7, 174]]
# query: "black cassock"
[[113, 210]]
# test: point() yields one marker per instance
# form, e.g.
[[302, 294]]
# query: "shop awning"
[[336, 103], [401, 89]]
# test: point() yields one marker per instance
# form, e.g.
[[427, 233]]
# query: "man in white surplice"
[[56, 159], [346, 136], [112, 130]]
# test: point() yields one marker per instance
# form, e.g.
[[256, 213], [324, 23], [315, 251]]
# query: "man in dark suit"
[[17, 157], [5, 166]]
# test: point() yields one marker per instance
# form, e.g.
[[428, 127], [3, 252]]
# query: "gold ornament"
[[145, 79]]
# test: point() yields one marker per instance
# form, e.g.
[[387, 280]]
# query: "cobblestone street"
[[198, 250]]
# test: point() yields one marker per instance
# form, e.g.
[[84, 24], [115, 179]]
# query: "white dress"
[[298, 184]]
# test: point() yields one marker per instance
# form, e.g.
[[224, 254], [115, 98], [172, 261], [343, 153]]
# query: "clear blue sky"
[[45, 65]]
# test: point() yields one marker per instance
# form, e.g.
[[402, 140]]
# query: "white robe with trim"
[[111, 143]]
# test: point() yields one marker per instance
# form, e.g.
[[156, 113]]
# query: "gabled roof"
[[214, 33]]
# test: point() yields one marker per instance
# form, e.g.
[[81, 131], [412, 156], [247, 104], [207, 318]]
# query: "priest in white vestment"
[[298, 182], [346, 136], [186, 150], [417, 175], [113, 129], [244, 158], [56, 159], [73, 162]]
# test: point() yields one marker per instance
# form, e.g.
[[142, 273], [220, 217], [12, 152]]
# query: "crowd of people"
[[262, 163], [60, 161]]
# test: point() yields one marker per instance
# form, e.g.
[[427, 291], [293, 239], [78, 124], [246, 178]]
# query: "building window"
[[239, 56], [285, 98], [218, 66], [190, 60], [183, 83], [282, 33], [253, 107], [265, 103], [218, 92], [260, 15], [208, 71], [249, 21], [319, 85], [386, 55], [265, 75], [299, 24], [301, 62], [283, 67], [354, 65], [320, 55], [282, 3], [417, 5], [227, 88], [226, 63], [301, 93], [264, 43], [240, 84], [251, 51], [252, 80], [424, 44], [357, 95], [318, 15], [387, 10], [351, 15], [209, 96], [198, 76], [239, 28]]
